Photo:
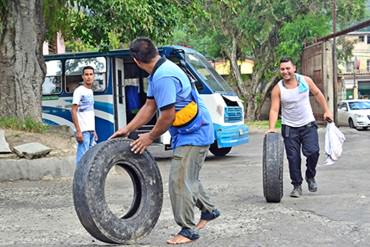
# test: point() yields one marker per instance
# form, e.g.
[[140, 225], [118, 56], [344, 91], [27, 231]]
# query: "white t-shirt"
[[84, 98]]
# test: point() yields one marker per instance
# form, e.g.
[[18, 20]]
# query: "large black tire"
[[89, 197], [273, 157], [216, 151]]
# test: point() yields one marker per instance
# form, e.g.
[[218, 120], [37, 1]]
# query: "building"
[[355, 73], [223, 66]]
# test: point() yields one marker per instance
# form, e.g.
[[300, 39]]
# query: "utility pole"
[[335, 76]]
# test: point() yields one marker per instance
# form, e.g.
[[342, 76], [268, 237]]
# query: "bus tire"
[[273, 157], [216, 151], [89, 196]]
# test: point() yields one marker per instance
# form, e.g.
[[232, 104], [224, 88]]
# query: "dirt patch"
[[60, 139]]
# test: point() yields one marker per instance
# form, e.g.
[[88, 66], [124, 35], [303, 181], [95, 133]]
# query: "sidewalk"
[[14, 168]]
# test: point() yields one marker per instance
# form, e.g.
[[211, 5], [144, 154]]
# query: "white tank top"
[[296, 109]]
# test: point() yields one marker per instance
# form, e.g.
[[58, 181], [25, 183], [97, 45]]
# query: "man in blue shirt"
[[184, 114]]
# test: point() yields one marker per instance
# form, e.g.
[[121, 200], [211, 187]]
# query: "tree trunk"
[[235, 68], [22, 66]]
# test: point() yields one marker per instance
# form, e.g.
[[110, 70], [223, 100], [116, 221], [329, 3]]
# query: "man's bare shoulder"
[[307, 78]]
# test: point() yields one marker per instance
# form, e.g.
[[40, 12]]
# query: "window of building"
[[368, 39], [349, 66], [53, 79], [73, 73], [361, 38], [368, 65]]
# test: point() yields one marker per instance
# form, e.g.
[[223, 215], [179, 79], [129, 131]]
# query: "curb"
[[37, 169]]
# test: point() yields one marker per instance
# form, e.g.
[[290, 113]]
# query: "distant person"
[[83, 115], [184, 114], [299, 129]]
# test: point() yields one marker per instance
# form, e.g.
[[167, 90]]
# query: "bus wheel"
[[216, 151], [273, 156], [89, 195]]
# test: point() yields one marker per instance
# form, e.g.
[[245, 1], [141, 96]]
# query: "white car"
[[354, 113]]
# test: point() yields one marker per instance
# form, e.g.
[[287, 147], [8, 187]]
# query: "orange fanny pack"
[[186, 114]]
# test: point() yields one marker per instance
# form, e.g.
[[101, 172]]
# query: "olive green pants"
[[185, 188]]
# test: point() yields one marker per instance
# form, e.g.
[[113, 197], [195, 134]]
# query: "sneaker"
[[296, 192], [312, 185]]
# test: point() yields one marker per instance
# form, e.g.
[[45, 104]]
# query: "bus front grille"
[[233, 114]]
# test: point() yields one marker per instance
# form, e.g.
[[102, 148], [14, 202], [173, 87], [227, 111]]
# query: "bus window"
[[74, 68], [178, 62], [53, 79], [208, 73]]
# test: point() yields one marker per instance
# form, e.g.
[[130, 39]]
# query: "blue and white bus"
[[120, 90]]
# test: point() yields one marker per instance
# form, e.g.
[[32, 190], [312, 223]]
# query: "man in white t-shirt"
[[83, 115]]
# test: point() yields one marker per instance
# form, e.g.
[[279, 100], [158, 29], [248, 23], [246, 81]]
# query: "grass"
[[28, 124], [264, 124]]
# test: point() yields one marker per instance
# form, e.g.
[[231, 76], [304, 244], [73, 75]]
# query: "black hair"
[[143, 49], [87, 67], [286, 60]]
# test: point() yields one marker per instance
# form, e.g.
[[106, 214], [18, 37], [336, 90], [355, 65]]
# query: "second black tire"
[[273, 157], [89, 196], [216, 151]]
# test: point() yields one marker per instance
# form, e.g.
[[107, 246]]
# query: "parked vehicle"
[[354, 113], [120, 90]]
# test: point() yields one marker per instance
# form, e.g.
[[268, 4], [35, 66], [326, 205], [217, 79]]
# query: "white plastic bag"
[[334, 139]]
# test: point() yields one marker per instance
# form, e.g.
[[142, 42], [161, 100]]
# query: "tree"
[[22, 66], [266, 30]]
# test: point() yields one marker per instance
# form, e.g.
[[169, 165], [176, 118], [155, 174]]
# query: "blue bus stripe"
[[103, 106]]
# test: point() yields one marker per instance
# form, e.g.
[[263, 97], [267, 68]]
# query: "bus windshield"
[[208, 73]]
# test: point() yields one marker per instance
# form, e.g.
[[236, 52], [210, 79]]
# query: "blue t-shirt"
[[170, 86]]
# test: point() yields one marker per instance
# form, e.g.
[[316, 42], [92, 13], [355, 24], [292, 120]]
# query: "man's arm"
[[319, 97], [144, 115], [79, 136], [163, 123], [274, 109]]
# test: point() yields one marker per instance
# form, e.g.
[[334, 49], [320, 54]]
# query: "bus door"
[[119, 95], [135, 83]]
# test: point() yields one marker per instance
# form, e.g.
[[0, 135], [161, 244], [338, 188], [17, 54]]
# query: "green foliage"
[[28, 124], [113, 24], [78, 46], [55, 17], [303, 29], [349, 12]]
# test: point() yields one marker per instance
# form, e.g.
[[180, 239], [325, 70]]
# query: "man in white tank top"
[[299, 129]]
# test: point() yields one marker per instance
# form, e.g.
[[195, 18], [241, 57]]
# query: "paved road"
[[41, 213]]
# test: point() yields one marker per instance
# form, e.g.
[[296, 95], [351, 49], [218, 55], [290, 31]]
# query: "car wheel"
[[216, 151], [350, 123], [89, 195]]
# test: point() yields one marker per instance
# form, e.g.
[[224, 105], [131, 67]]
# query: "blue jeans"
[[87, 142], [304, 137]]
